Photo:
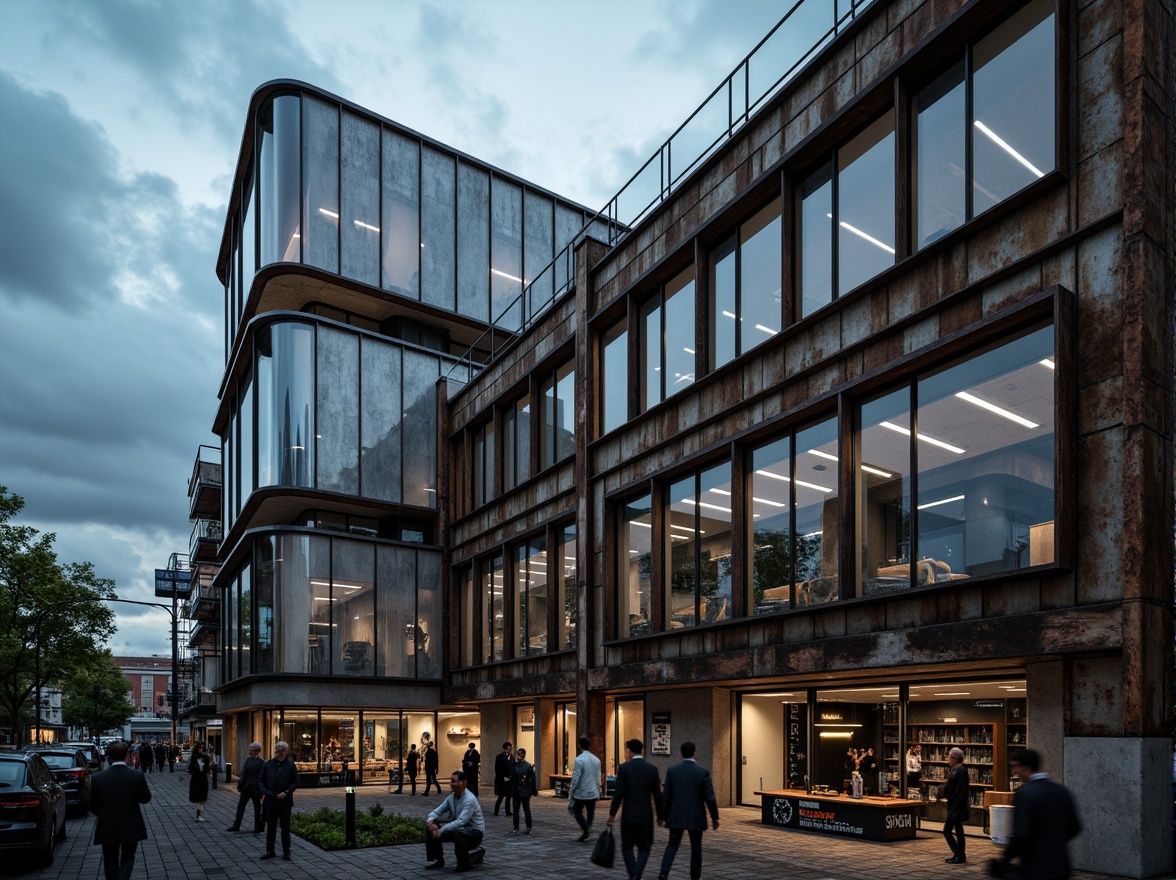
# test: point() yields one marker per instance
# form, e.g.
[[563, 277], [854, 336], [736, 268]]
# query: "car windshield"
[[11, 773], [59, 762]]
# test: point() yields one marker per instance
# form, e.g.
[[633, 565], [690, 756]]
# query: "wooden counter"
[[867, 818]]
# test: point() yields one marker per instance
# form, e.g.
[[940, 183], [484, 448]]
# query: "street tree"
[[96, 697], [64, 598]]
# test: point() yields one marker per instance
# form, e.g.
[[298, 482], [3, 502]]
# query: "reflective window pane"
[[427, 643], [438, 197], [650, 353], [634, 574], [884, 492], [473, 242], [563, 568], [714, 543], [337, 437], [263, 587], [400, 227], [420, 428], [771, 528], [492, 609], [1013, 95], [506, 253], [939, 157], [817, 513], [682, 539], [760, 288], [396, 610], [280, 149], [815, 257], [615, 377], [865, 205], [360, 212], [539, 248], [679, 343], [723, 316], [531, 592], [986, 462], [380, 421], [320, 184], [353, 604]]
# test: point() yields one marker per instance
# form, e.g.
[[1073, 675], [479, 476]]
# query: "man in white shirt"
[[584, 789], [463, 824]]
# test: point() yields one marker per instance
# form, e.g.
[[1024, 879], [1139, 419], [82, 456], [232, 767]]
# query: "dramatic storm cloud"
[[120, 124]]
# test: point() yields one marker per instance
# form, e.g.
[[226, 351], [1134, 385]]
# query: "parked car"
[[93, 754], [73, 770], [32, 806]]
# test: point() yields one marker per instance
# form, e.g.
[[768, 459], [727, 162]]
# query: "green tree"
[[62, 598], [96, 697]]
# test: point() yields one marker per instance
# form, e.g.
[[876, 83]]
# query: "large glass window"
[[245, 618], [985, 457], [1012, 84], [1013, 75], [614, 395], [353, 600], [473, 242], [380, 379], [482, 441], [279, 167], [530, 597], [263, 655], [320, 184], [865, 205], [516, 440], [667, 333], [360, 185], [746, 303], [795, 519], [634, 568], [286, 415], [438, 229], [337, 434], [563, 567], [814, 258], [506, 253], [699, 540], [884, 492], [401, 215], [557, 422], [493, 621]]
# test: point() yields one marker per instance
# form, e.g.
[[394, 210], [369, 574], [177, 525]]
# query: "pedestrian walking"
[[471, 762], [147, 757], [687, 797], [584, 789], [198, 780], [463, 824], [249, 789], [279, 779], [955, 791], [523, 787], [503, 776], [432, 761], [160, 755], [1044, 821], [638, 796], [214, 764], [412, 762], [115, 798]]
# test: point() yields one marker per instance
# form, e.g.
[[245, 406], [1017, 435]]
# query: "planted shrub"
[[327, 828]]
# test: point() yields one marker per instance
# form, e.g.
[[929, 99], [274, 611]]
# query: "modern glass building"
[[845, 425]]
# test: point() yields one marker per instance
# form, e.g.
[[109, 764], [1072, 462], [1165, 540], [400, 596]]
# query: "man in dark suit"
[[503, 776], [688, 796], [249, 788], [115, 797], [638, 794], [1044, 819], [471, 762], [279, 778], [432, 762]]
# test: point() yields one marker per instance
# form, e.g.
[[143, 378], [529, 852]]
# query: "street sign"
[[169, 583]]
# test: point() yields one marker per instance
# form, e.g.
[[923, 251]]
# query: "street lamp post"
[[170, 609]]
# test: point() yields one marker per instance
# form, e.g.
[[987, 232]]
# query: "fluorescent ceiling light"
[[359, 224], [876, 471], [772, 475], [813, 486], [720, 492], [864, 235], [768, 502], [821, 454], [728, 314], [952, 693], [771, 695], [940, 501], [714, 507], [1047, 362], [836, 734], [925, 438], [812, 534], [993, 408], [1000, 143], [767, 330], [837, 724], [505, 275], [688, 350], [634, 522], [327, 213]]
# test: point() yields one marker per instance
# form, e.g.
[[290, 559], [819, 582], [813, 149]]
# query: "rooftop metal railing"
[[806, 28]]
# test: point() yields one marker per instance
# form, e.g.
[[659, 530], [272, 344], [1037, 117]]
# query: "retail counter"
[[868, 818]]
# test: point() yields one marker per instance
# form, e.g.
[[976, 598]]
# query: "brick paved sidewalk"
[[742, 849]]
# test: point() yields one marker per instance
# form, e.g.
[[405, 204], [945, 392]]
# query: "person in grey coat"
[[115, 798], [249, 788], [584, 789], [955, 792], [688, 796]]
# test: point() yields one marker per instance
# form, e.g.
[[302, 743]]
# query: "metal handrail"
[[740, 105]]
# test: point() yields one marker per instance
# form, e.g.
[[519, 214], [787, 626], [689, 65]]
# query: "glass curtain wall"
[[530, 597], [635, 563], [563, 563], [614, 397], [699, 538], [746, 289]]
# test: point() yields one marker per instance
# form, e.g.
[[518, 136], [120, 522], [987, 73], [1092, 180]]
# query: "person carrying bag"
[[605, 851]]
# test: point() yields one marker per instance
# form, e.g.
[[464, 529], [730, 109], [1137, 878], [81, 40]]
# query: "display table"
[[867, 818], [560, 782]]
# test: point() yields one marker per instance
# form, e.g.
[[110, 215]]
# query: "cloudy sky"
[[120, 122]]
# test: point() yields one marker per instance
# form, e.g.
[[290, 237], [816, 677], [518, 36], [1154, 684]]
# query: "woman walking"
[[198, 780], [523, 786]]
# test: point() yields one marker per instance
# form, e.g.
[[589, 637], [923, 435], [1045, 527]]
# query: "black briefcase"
[[605, 851]]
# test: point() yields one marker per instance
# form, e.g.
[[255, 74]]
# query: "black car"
[[32, 806], [72, 771]]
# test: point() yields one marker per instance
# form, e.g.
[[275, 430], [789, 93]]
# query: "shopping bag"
[[605, 851]]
